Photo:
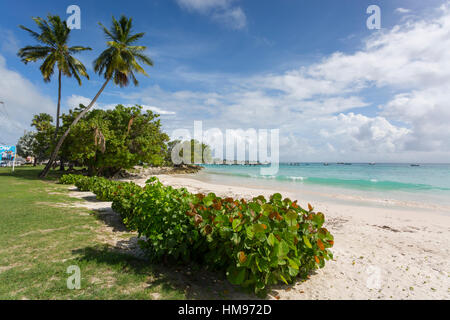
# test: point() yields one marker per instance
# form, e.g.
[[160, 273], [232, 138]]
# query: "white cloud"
[[204, 6], [365, 134], [316, 107], [75, 100], [428, 113], [223, 11], [411, 55], [402, 10], [157, 110], [234, 18], [320, 108], [22, 100]]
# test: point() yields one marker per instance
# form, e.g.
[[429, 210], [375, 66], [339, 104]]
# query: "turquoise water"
[[398, 181]]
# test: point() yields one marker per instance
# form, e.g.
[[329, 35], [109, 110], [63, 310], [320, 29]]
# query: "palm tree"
[[118, 62], [54, 37]]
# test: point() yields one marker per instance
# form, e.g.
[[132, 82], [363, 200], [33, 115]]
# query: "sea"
[[423, 184]]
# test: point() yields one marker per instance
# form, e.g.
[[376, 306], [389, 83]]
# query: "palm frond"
[[34, 34], [47, 68], [135, 37], [54, 33], [75, 49], [120, 61], [33, 53], [143, 58], [107, 33]]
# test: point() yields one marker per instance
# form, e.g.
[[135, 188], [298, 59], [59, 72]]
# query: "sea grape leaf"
[[319, 219], [293, 264], [291, 215], [293, 272], [307, 243], [277, 197], [235, 239], [208, 201], [259, 227], [267, 209], [271, 239], [282, 278], [255, 207], [236, 224], [282, 249], [250, 233], [236, 275], [320, 244], [242, 257]]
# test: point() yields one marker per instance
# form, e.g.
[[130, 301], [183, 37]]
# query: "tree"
[[26, 145], [170, 146], [195, 151], [109, 141], [54, 35], [43, 135], [118, 62]]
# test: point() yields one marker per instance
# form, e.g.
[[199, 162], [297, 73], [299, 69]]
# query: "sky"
[[336, 90]]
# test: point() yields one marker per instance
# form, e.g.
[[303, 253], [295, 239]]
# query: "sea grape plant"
[[256, 243]]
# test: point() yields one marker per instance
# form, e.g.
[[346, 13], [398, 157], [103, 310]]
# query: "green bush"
[[261, 242], [159, 214], [257, 243], [70, 178], [121, 193]]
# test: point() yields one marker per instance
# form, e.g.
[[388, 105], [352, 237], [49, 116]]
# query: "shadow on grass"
[[195, 282], [112, 219], [101, 209], [30, 173]]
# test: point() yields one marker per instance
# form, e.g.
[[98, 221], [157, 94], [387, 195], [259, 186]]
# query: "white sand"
[[384, 252]]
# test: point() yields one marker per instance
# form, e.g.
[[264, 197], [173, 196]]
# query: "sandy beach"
[[381, 252]]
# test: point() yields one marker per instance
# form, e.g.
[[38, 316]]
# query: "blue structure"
[[8, 154]]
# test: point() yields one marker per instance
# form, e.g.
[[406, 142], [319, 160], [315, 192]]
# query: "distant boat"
[[325, 164], [372, 163], [415, 165]]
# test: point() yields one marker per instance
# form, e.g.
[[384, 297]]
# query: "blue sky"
[[309, 68]]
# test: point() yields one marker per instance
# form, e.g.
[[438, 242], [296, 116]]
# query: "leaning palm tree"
[[119, 63], [54, 37]]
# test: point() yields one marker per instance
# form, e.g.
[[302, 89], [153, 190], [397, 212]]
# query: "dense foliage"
[[107, 141], [257, 243], [188, 152], [37, 143], [26, 145]]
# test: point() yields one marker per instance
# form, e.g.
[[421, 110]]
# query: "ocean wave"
[[370, 183], [374, 184], [296, 178]]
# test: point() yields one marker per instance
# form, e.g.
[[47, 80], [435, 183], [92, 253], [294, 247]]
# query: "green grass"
[[41, 235]]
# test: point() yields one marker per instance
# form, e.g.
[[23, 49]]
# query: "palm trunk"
[[61, 164], [44, 172], [58, 109]]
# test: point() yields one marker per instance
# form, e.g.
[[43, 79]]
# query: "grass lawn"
[[41, 235]]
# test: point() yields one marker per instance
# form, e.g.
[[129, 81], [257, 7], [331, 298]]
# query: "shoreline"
[[331, 195], [380, 252]]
